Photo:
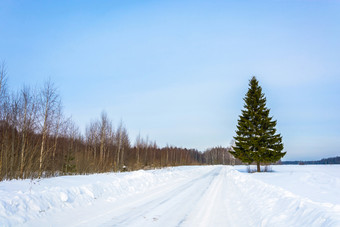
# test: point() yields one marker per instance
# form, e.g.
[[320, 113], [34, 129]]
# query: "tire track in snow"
[[206, 206], [164, 204], [170, 207]]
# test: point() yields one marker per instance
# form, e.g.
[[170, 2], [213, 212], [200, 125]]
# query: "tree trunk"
[[55, 143], [41, 155], [160, 158], [102, 143], [44, 132], [95, 157], [122, 158], [118, 156], [146, 156], [54, 151], [23, 144], [137, 156], [167, 156], [22, 156], [12, 153], [258, 167]]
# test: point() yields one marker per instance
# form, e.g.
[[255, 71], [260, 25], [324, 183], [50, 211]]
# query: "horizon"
[[177, 72]]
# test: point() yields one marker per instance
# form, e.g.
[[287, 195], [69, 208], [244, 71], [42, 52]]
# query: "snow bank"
[[23, 200], [292, 196], [319, 183]]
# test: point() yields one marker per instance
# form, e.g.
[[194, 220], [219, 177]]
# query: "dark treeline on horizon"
[[332, 160], [37, 140]]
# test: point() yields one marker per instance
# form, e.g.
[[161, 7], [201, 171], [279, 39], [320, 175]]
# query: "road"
[[200, 201]]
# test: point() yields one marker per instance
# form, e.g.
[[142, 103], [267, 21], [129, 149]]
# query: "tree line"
[[324, 161], [38, 140]]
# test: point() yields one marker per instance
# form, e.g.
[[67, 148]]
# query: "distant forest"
[[38, 140], [333, 160]]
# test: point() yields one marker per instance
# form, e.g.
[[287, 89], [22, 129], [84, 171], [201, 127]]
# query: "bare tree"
[[119, 136], [3, 123], [125, 144], [27, 121], [58, 123], [3, 90], [138, 146], [92, 136], [167, 155], [103, 136], [106, 133], [49, 100], [14, 113]]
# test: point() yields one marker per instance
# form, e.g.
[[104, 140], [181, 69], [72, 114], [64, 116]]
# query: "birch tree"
[[49, 100], [27, 121], [3, 90]]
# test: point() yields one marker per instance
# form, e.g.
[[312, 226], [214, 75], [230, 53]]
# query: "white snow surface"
[[179, 196]]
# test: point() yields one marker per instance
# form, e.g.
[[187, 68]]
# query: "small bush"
[[267, 168]]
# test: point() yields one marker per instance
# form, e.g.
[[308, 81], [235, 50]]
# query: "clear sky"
[[177, 71]]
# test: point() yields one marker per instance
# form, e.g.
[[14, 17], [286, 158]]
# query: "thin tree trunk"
[[167, 156], [22, 163], [118, 150], [12, 153], [258, 167], [137, 156], [1, 160], [146, 156], [122, 158], [53, 152], [23, 143], [160, 158], [93, 148], [102, 141], [55, 145], [41, 155], [6, 154], [43, 140]]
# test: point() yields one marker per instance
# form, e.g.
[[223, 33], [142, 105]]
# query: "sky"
[[177, 71]]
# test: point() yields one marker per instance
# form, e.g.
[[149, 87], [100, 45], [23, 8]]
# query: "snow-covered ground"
[[181, 196]]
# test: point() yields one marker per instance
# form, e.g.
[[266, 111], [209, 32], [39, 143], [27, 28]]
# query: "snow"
[[179, 196]]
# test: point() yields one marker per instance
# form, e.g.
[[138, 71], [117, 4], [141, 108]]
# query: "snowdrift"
[[272, 205]]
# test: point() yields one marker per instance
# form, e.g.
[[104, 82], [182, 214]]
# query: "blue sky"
[[177, 71]]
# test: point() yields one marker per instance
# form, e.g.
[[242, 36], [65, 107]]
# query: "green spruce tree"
[[256, 139]]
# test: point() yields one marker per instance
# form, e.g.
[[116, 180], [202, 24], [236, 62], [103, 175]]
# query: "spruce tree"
[[256, 139]]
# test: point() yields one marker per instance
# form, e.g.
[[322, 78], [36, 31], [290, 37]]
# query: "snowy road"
[[182, 196], [191, 202], [201, 201]]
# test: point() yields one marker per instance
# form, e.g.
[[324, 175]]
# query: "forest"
[[38, 140], [324, 161]]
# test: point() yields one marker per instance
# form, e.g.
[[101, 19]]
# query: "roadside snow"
[[320, 183], [23, 200], [181, 196], [291, 195]]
